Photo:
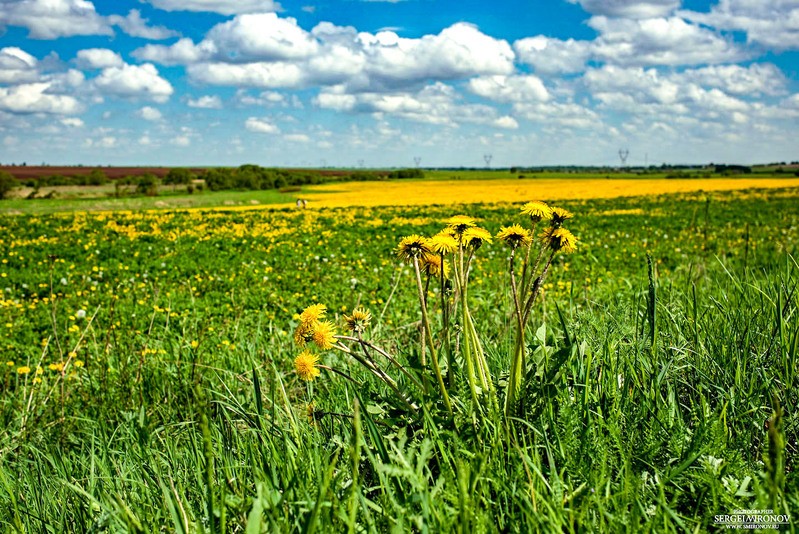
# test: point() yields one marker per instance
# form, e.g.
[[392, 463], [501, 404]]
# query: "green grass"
[[646, 396]]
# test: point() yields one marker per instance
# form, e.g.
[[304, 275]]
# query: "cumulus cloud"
[[205, 102], [149, 113], [660, 41], [72, 122], [550, 55], [774, 23], [437, 103], [224, 7], [136, 26], [516, 88], [34, 98], [98, 58], [635, 9], [134, 81], [17, 66], [51, 19], [267, 51], [297, 138], [257, 125], [566, 114]]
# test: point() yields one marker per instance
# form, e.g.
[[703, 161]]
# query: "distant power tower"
[[360, 163], [623, 155], [417, 161], [487, 158]]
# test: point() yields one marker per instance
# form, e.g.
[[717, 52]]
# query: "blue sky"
[[337, 83]]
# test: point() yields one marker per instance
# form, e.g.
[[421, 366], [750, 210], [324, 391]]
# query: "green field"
[[148, 377]]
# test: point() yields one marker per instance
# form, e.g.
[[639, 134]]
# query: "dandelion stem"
[[428, 332]]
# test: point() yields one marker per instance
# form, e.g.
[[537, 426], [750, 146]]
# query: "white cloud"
[[297, 138], [181, 140], [134, 25], [51, 19], [516, 88], [34, 98], [774, 23], [660, 41], [437, 103], [98, 58], [256, 125], [134, 81], [261, 37], [549, 55], [567, 114], [225, 7], [267, 51], [17, 66], [72, 122], [507, 122], [755, 80], [205, 102], [149, 113], [636, 9]]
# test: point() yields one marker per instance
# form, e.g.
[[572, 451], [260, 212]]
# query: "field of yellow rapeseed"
[[420, 193]]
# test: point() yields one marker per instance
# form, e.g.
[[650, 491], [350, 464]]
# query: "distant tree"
[[7, 183], [97, 177], [178, 176], [147, 185]]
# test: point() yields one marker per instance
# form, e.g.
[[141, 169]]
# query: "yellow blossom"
[[459, 223], [475, 237], [443, 243], [312, 313], [23, 370], [359, 321], [431, 266], [305, 365], [537, 211], [514, 236], [413, 246], [559, 215], [560, 239], [324, 334]]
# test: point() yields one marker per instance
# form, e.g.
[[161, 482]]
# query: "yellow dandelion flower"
[[459, 223], [10, 363], [304, 334], [305, 365], [56, 366], [78, 363], [514, 236], [413, 246], [559, 215], [431, 266], [23, 370], [39, 370], [475, 237], [312, 313], [359, 321], [560, 239], [443, 243], [538, 211], [37, 380], [324, 334]]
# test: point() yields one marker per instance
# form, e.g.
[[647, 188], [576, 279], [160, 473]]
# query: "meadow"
[[150, 378]]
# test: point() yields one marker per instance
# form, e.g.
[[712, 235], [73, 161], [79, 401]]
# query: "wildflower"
[[324, 334], [459, 223], [56, 366], [39, 370], [37, 380], [312, 313], [514, 236], [431, 265], [305, 365], [443, 243], [413, 246], [10, 363], [537, 211], [23, 370], [559, 215], [475, 237], [303, 334], [80, 314], [359, 321], [560, 239]]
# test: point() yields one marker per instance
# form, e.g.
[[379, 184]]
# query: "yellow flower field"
[[415, 193]]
